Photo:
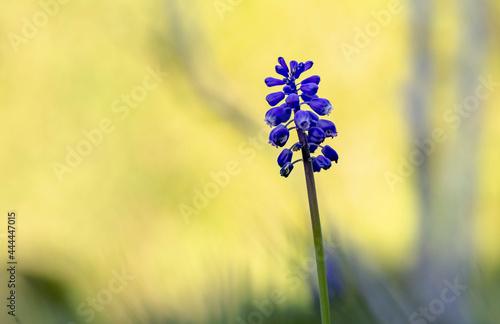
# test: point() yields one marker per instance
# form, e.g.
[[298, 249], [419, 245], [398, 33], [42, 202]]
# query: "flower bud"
[[287, 89], [307, 98], [282, 62], [274, 98], [277, 115], [308, 65], [328, 127], [316, 135], [293, 100], [279, 136], [302, 120], [296, 147], [293, 67], [271, 82], [321, 162], [285, 157], [330, 153], [281, 70], [314, 118], [320, 106], [312, 79], [286, 169], [309, 89]]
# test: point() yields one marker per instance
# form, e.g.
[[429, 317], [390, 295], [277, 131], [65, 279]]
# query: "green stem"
[[316, 227]]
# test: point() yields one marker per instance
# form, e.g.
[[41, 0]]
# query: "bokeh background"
[[177, 212]]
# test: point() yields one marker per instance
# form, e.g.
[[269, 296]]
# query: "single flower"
[[316, 135], [320, 106], [328, 127], [302, 120], [286, 169], [285, 157], [312, 79], [309, 89], [271, 82], [330, 153], [275, 98], [278, 115], [321, 162], [279, 136]]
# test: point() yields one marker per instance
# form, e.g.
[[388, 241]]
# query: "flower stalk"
[[316, 228]]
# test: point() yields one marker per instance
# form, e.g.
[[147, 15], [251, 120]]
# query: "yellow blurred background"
[[180, 193]]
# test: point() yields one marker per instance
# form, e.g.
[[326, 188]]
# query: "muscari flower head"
[[297, 96]]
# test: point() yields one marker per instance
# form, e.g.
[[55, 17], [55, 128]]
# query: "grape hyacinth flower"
[[312, 132]]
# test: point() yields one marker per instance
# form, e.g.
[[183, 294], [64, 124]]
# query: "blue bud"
[[287, 89], [282, 62], [328, 127], [312, 148], [285, 157], [300, 69], [274, 98], [271, 82], [321, 162], [293, 68], [309, 89], [320, 106], [296, 147], [293, 100], [330, 153], [279, 136], [282, 71], [314, 118], [277, 115], [286, 169], [287, 113], [302, 120], [316, 135], [308, 65], [307, 98], [312, 79]]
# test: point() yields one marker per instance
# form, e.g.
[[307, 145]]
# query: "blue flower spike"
[[298, 96], [311, 132]]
